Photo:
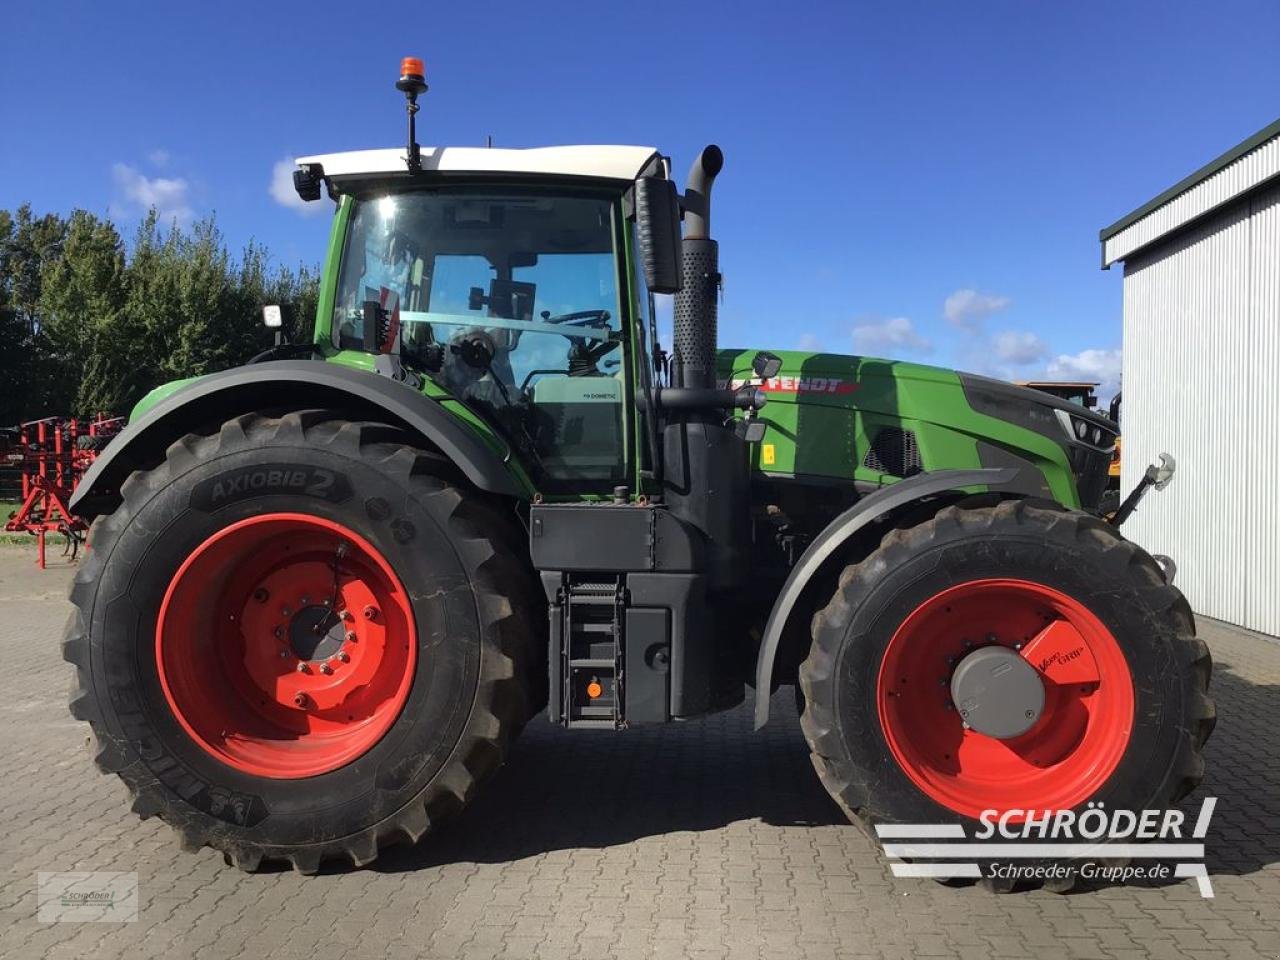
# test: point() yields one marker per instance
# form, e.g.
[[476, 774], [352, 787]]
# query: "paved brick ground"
[[698, 840]]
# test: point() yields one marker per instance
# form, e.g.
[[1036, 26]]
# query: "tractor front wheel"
[[1005, 658], [296, 639]]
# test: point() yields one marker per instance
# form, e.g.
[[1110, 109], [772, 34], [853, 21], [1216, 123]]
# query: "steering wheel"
[[582, 318]]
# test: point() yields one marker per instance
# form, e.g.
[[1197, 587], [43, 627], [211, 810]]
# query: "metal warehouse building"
[[1201, 377]]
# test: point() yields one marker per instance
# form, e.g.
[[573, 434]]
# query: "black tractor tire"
[[469, 595], [1069, 551]]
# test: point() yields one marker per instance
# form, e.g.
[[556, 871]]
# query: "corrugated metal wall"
[[1202, 382]]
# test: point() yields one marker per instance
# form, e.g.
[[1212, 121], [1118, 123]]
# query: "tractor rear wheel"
[[296, 640], [1006, 657]]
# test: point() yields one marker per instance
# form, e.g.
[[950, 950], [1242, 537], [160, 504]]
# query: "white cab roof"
[[607, 162]]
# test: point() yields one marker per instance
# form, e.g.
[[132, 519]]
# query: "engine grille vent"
[[893, 451]]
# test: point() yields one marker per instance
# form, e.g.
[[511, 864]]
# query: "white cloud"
[[887, 336], [1100, 365], [809, 341], [138, 193], [967, 308], [282, 190], [1019, 347], [159, 158]]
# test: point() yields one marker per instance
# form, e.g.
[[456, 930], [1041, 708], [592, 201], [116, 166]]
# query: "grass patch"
[[7, 507]]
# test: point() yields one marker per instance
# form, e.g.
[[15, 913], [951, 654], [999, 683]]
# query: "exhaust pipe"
[[705, 468], [694, 334]]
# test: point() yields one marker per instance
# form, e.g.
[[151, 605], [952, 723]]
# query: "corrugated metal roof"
[[1243, 168]]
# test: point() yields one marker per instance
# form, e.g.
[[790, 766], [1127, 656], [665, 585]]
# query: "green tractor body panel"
[[161, 392], [838, 418], [830, 418]]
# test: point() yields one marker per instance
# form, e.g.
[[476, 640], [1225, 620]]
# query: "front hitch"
[[1155, 476]]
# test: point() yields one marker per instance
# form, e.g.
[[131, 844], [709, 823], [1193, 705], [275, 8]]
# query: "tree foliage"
[[90, 323]]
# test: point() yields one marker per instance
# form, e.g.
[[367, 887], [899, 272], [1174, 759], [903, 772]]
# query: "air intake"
[[894, 451]]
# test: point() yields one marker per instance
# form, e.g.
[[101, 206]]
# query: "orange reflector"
[[412, 67], [594, 689]]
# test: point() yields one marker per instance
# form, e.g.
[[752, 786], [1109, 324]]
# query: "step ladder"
[[587, 653]]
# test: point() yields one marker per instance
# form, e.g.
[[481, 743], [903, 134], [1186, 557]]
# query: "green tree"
[[27, 244], [92, 359], [90, 324]]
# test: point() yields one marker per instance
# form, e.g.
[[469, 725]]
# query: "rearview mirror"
[[658, 229]]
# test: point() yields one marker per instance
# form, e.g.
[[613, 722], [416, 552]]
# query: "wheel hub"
[[997, 692], [316, 633]]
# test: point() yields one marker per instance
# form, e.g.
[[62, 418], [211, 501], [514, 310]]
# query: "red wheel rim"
[[286, 645], [1073, 747]]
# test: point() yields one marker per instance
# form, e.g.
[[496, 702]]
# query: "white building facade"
[[1201, 378]]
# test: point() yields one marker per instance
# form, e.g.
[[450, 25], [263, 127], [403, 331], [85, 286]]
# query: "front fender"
[[288, 384], [839, 532]]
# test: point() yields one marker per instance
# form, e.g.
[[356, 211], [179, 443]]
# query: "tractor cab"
[[507, 279]]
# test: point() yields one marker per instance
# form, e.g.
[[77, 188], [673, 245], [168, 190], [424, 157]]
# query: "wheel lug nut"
[[343, 656], [325, 668], [300, 700], [279, 632], [370, 613], [351, 637], [992, 638], [347, 615], [284, 654], [261, 595], [285, 611], [303, 668]]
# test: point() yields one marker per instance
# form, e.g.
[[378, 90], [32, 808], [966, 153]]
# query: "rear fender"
[[296, 385]]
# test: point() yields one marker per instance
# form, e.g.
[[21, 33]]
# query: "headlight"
[[1086, 431]]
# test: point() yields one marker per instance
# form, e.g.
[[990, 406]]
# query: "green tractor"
[[327, 589]]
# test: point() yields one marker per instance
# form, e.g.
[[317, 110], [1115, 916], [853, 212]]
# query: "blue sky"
[[923, 180]]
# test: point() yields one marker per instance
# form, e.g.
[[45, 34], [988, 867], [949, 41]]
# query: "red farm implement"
[[52, 455]]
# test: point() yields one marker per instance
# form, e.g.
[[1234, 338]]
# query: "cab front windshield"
[[508, 299]]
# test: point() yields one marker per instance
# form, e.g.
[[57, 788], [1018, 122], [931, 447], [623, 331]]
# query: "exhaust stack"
[[706, 474], [694, 334]]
